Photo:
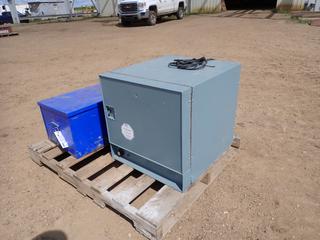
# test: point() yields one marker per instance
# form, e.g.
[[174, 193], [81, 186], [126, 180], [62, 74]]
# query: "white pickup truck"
[[150, 10]]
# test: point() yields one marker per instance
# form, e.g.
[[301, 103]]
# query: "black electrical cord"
[[190, 64]]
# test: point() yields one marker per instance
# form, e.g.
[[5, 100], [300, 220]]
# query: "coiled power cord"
[[190, 64]]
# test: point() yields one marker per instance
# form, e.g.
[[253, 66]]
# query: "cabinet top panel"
[[157, 70]]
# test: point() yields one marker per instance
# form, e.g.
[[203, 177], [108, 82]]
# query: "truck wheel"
[[152, 19], [180, 13]]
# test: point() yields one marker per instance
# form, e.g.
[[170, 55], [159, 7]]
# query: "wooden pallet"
[[9, 34], [6, 31], [118, 186]]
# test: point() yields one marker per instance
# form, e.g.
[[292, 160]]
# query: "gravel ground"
[[270, 190]]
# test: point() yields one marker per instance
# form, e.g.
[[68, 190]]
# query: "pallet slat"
[[9, 34], [179, 210], [35, 150], [159, 205], [68, 176], [93, 167], [68, 162], [109, 178], [131, 188], [52, 153], [42, 146]]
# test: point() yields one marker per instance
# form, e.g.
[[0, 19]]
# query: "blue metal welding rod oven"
[[171, 123], [75, 121]]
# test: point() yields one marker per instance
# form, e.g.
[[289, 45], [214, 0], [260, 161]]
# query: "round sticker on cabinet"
[[127, 131]]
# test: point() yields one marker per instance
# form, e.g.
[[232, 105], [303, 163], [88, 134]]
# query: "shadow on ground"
[[253, 14], [113, 21], [51, 235]]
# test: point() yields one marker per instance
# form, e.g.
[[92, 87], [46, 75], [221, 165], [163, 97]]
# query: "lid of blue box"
[[74, 102]]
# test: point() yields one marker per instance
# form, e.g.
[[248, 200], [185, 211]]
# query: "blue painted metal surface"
[[168, 123], [79, 116]]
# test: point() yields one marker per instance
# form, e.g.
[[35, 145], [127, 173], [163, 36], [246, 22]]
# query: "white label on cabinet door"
[[61, 139], [127, 131]]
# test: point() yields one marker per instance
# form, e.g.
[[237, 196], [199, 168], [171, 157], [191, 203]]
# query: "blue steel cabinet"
[[78, 119], [169, 123]]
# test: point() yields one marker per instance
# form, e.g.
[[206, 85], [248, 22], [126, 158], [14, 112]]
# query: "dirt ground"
[[270, 190]]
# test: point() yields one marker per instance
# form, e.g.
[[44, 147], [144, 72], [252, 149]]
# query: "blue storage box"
[[75, 120]]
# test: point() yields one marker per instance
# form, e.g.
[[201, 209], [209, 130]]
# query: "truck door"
[[164, 6], [173, 5]]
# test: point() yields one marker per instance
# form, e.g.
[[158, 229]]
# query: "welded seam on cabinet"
[[150, 79], [190, 127]]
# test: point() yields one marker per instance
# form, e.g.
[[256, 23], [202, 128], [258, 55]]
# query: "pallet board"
[[9, 34], [6, 31], [118, 186]]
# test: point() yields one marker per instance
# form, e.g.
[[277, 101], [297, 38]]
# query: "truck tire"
[[125, 22], [180, 13], [152, 19]]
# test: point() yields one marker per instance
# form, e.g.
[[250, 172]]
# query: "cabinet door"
[[146, 121]]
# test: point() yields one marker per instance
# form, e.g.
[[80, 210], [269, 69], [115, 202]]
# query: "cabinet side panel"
[[213, 116]]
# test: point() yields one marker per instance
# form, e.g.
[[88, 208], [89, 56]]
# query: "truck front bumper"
[[134, 16]]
